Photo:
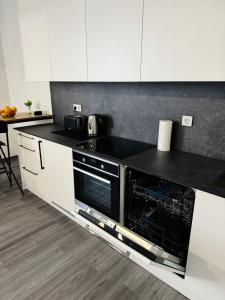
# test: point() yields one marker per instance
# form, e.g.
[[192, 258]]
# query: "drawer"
[[30, 179], [26, 140], [27, 150], [29, 157]]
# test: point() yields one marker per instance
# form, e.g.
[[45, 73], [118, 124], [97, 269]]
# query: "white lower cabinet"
[[205, 273], [47, 170]]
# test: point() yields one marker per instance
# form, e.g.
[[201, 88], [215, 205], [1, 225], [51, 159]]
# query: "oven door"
[[101, 192]]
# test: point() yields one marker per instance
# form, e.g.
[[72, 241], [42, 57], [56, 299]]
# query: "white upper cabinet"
[[67, 38], [183, 40], [114, 30], [34, 37], [103, 40]]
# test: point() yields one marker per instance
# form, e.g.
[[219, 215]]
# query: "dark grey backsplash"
[[134, 110]]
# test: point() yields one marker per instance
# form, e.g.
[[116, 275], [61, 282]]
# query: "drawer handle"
[[27, 148], [27, 137], [30, 171]]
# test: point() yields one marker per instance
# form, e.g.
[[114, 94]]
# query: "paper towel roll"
[[164, 136]]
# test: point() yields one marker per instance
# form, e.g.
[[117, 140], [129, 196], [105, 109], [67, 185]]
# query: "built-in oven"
[[97, 185]]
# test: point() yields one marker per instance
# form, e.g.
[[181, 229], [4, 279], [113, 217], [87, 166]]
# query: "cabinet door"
[[56, 182], [183, 40], [114, 30], [67, 36], [34, 36], [205, 273]]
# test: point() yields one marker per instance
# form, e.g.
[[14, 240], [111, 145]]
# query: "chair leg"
[[11, 171], [9, 158], [5, 169]]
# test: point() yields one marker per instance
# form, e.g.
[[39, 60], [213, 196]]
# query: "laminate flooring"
[[45, 255]]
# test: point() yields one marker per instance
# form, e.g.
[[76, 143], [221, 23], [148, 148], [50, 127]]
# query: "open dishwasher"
[[159, 213]]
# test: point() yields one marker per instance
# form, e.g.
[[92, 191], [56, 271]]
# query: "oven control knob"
[[102, 166], [83, 159]]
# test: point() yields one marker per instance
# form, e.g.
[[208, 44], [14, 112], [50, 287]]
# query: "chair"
[[6, 162]]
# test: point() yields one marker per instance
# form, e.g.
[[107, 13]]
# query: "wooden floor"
[[45, 255]]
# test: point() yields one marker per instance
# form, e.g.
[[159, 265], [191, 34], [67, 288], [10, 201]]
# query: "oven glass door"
[[98, 191]]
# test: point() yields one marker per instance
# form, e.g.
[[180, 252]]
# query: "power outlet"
[[187, 121], [77, 107]]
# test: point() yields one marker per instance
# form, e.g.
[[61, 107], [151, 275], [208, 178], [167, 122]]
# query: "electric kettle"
[[95, 125]]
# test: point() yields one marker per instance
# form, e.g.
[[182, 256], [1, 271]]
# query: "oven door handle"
[[92, 175]]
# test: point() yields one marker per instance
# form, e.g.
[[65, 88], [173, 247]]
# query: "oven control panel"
[[96, 163]]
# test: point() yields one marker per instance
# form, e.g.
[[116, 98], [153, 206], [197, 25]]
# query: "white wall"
[[19, 89], [4, 92]]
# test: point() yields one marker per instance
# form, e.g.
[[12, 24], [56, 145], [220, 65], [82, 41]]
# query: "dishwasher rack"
[[170, 198]]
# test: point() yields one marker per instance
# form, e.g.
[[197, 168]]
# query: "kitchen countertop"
[[45, 131], [24, 117], [181, 167]]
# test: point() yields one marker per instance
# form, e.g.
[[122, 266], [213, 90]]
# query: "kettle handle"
[[101, 121]]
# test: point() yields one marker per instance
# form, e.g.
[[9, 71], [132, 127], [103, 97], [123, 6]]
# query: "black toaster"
[[75, 123]]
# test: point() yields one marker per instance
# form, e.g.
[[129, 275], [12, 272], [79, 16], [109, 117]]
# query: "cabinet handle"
[[39, 145], [27, 148], [27, 137], [30, 171]]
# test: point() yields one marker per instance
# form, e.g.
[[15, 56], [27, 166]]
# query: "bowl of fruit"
[[8, 112]]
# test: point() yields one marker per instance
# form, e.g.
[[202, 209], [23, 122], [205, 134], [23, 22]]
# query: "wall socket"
[[187, 121], [77, 107]]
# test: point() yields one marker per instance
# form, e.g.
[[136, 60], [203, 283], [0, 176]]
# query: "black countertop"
[[185, 168], [46, 131], [181, 167]]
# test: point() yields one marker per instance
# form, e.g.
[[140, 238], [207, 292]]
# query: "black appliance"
[[95, 125], [115, 146], [97, 185], [160, 211], [75, 123]]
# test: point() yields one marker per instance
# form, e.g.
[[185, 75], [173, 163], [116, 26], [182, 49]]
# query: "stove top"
[[117, 147]]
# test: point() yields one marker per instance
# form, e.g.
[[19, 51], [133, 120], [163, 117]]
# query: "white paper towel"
[[164, 136]]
